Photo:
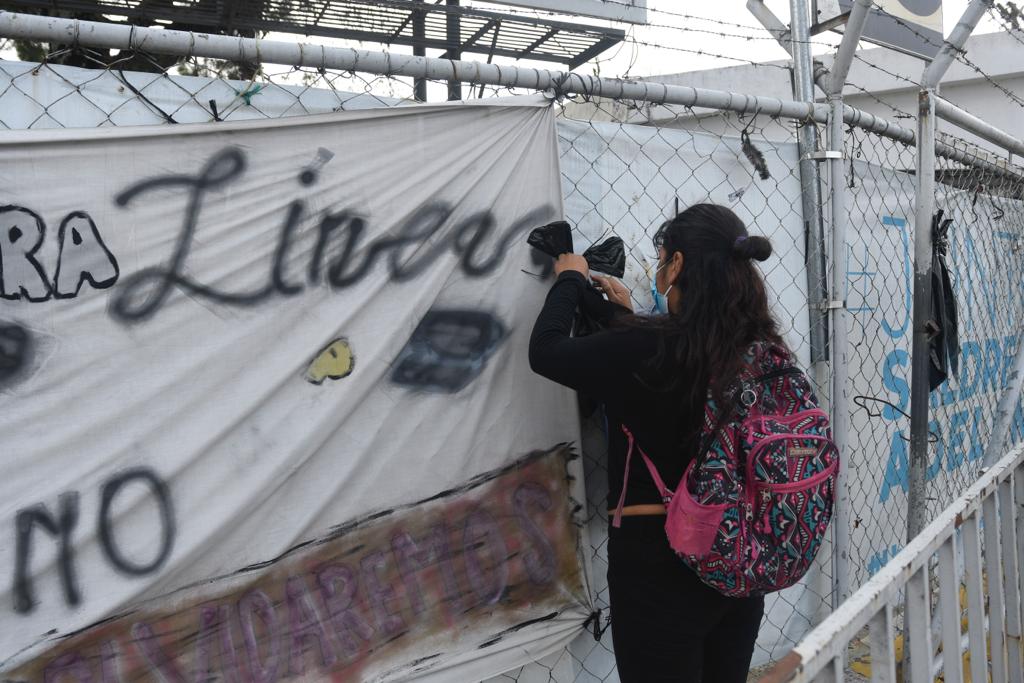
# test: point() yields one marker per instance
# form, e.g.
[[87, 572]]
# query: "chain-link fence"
[[879, 279], [983, 253], [986, 207], [626, 167]]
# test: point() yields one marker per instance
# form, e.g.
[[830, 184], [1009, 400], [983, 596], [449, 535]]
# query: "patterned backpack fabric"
[[752, 508]]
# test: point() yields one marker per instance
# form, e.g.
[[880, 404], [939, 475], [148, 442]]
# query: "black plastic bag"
[[554, 239], [609, 257], [944, 344]]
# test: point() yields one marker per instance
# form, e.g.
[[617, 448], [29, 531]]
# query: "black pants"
[[666, 624]]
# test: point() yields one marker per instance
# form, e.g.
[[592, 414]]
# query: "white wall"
[[1000, 55]]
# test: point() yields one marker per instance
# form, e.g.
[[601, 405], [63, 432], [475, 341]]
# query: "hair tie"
[[739, 240]]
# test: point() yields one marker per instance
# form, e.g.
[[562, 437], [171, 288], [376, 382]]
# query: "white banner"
[[986, 263], [267, 411]]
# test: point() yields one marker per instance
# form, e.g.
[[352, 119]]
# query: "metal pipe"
[[104, 35], [840, 334], [1007, 407], [847, 48], [1014, 173], [925, 208], [771, 23], [840, 353], [953, 45], [894, 131], [919, 382], [780, 31], [878, 125], [810, 185], [945, 109]]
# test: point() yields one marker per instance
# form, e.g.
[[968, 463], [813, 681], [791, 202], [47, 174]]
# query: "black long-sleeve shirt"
[[615, 368]]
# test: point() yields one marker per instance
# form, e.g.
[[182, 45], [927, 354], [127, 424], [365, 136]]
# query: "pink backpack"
[[752, 508]]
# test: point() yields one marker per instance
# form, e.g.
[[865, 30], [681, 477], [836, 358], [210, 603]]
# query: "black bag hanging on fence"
[[595, 312], [554, 239], [944, 343], [609, 257]]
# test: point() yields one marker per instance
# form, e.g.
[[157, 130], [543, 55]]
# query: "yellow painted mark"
[[860, 661], [334, 362]]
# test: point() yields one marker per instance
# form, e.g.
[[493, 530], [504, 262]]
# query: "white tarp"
[[267, 411]]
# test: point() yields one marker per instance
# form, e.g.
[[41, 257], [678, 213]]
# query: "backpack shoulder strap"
[[658, 482]]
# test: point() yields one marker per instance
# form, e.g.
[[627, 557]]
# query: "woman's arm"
[[600, 310], [600, 365]]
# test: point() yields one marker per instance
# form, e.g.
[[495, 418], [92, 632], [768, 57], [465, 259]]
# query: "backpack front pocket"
[[791, 521]]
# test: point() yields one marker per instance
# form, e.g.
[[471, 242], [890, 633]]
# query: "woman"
[[652, 374]]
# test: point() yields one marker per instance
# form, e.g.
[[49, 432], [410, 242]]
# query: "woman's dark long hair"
[[723, 303]]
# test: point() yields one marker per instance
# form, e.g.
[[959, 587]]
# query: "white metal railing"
[[978, 543]]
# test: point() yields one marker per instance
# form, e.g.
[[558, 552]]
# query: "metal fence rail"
[[967, 559]]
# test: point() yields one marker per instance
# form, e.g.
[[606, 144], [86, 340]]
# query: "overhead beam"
[[227, 15], [419, 26], [780, 32], [591, 52], [540, 41], [954, 45], [830, 24], [479, 33], [848, 46]]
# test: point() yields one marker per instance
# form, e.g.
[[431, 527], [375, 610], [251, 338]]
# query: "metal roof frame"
[[393, 22]]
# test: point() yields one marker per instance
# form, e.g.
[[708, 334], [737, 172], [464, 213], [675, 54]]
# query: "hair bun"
[[752, 247]]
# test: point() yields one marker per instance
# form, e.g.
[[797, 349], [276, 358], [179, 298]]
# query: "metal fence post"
[[917, 515], [917, 499], [925, 208], [419, 24], [811, 204], [454, 42], [810, 184], [840, 342], [840, 353]]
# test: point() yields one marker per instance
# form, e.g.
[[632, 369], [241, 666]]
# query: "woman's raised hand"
[[614, 290], [572, 262]]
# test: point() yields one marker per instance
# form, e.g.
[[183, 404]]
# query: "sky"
[[636, 59]]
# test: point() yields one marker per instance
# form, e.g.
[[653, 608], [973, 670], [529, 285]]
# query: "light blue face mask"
[[660, 300]]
